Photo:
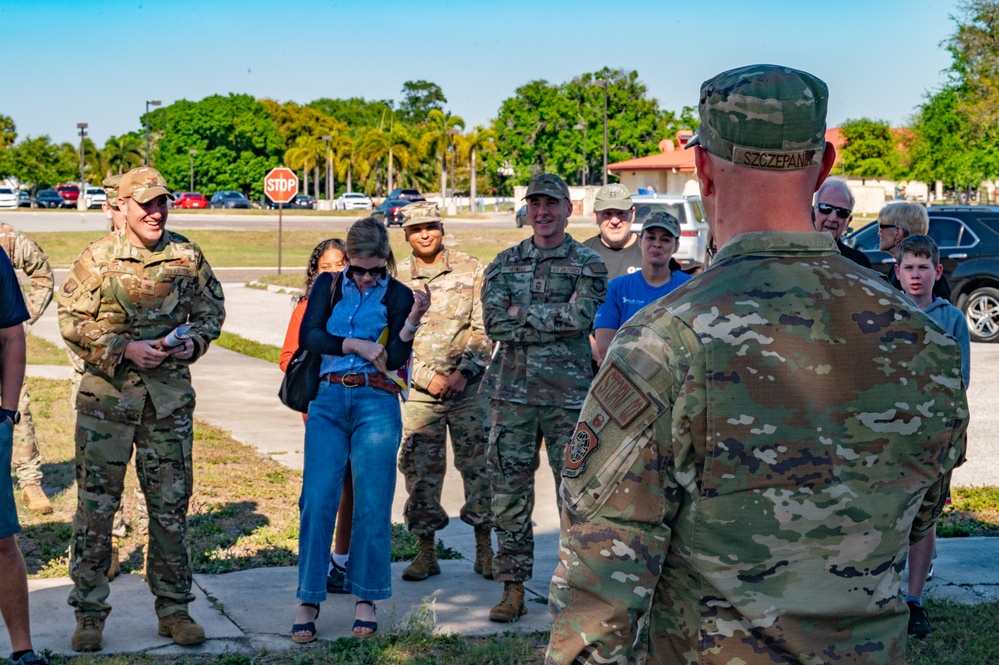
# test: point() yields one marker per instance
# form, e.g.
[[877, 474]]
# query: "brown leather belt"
[[379, 381]]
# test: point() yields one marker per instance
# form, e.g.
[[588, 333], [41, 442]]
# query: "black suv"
[[968, 237]]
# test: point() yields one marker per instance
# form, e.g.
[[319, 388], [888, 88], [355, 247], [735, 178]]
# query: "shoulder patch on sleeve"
[[584, 441], [619, 396]]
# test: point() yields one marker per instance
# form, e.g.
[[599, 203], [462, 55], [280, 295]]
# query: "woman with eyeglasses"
[[354, 419], [330, 255]]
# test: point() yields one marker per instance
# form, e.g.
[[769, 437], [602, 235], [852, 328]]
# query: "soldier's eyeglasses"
[[842, 213], [377, 273]]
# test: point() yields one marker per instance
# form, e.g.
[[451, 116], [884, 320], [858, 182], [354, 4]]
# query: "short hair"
[[921, 246], [836, 183], [367, 238], [912, 218]]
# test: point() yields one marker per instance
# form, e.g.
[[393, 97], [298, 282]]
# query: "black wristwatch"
[[467, 373], [14, 415]]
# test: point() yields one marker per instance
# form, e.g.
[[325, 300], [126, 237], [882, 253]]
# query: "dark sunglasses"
[[377, 273], [842, 213], [882, 227]]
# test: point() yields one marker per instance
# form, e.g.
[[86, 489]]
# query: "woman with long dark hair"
[[355, 419]]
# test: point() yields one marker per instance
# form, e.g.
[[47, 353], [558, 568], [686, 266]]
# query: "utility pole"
[[192, 153], [81, 201], [154, 102]]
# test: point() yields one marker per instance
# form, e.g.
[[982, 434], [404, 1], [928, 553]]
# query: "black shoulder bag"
[[301, 379]]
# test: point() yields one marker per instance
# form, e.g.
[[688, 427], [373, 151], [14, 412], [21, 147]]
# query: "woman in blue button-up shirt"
[[355, 418]]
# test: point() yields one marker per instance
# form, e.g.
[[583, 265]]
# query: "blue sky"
[[98, 61]]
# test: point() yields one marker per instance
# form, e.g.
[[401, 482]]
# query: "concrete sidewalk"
[[254, 609]]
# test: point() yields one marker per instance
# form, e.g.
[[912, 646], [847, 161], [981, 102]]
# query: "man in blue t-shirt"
[[13, 576], [629, 293]]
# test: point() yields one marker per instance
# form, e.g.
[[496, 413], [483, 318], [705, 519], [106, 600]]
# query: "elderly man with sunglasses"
[[833, 212]]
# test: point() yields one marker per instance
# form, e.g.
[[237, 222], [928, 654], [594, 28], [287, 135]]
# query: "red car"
[[70, 194], [190, 200]]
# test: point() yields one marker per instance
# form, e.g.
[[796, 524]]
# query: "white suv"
[[693, 248], [94, 196]]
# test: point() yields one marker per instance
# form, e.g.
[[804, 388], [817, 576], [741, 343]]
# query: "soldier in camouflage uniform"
[[124, 294], [761, 445], [26, 462], [450, 354], [538, 304]]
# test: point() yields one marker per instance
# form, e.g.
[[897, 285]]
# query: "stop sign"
[[281, 185]]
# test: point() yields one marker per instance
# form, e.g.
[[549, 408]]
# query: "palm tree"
[[122, 153], [436, 140], [341, 148], [478, 141], [97, 166], [393, 146], [305, 155]]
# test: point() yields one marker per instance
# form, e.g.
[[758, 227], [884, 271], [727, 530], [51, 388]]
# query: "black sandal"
[[309, 627], [370, 625]]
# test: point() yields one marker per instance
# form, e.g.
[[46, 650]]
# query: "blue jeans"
[[8, 511], [362, 426]]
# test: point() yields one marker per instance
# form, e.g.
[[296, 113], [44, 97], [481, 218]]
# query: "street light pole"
[[452, 132], [329, 178], [577, 127], [192, 153], [81, 201], [605, 131], [153, 102]]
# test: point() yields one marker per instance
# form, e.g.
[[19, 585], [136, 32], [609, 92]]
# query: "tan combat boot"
[[483, 553], [425, 564], [115, 568], [511, 606], [182, 628], [89, 633], [35, 500]]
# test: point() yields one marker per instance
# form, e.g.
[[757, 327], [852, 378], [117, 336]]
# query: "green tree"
[[418, 98], [41, 163], [975, 69], [354, 112], [235, 136], [869, 150], [436, 139], [8, 132], [477, 142], [123, 153]]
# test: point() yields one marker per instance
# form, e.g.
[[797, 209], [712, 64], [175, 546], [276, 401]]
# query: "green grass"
[[289, 280], [44, 352], [974, 511], [226, 248], [248, 347]]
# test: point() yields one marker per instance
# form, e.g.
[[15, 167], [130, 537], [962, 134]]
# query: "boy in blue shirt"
[[629, 293], [918, 269]]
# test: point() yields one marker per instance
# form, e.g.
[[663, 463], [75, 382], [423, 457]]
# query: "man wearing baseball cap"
[[123, 295], [749, 467], [450, 354], [627, 294], [538, 304], [615, 243]]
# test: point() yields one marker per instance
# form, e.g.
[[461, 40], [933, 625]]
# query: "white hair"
[[836, 183]]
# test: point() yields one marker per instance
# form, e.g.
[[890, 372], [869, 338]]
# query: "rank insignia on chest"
[[584, 441]]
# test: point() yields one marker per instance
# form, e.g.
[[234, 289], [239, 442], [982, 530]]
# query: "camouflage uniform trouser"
[[26, 461], [163, 465], [423, 458], [119, 528], [512, 457]]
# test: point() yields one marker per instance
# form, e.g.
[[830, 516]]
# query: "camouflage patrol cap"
[[662, 220], [110, 185], [548, 184], [420, 212], [764, 117], [143, 184], [613, 197]]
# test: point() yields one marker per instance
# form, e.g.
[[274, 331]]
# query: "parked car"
[[693, 246], [49, 198], [353, 201], [23, 199], [522, 216], [389, 212], [190, 200], [70, 194], [229, 199], [968, 237], [405, 194], [303, 202], [8, 197], [94, 197]]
